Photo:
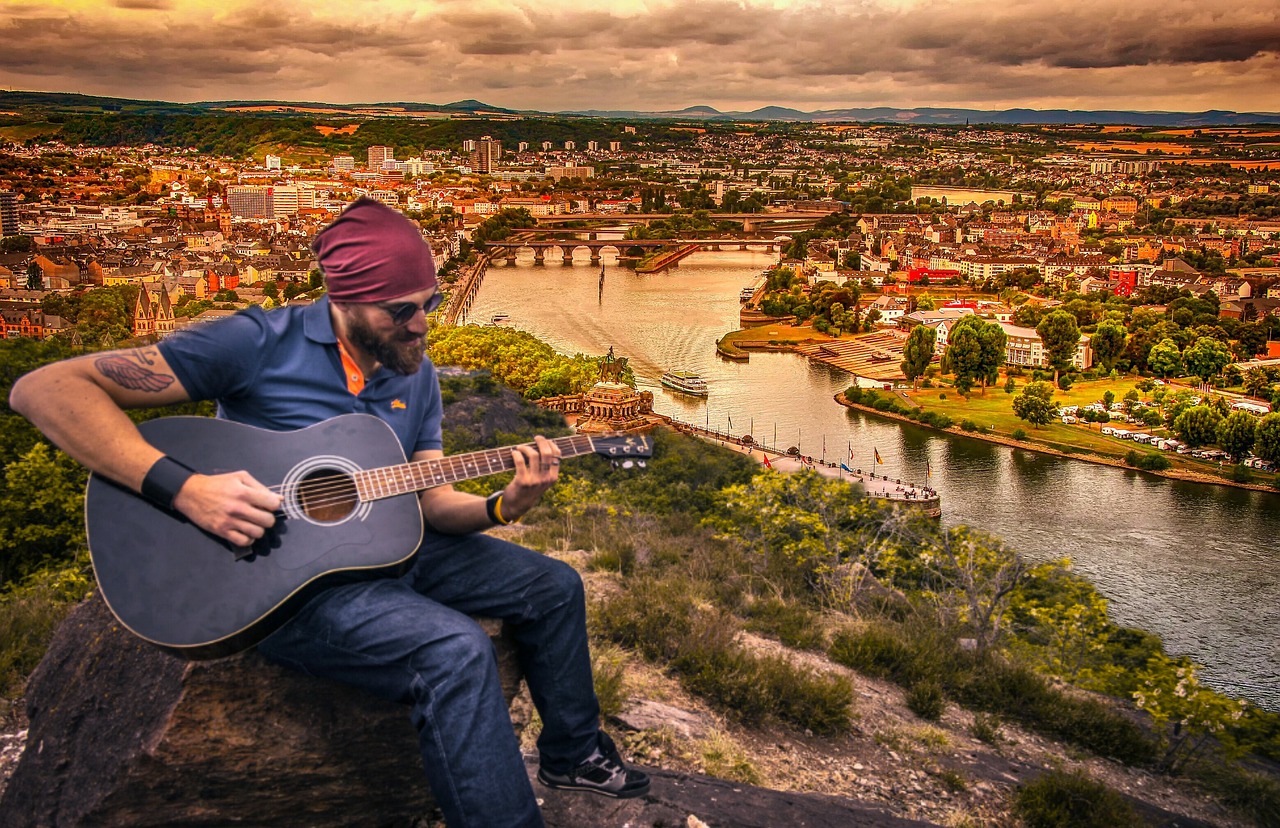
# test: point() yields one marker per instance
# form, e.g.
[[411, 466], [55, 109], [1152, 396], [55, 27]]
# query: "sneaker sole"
[[570, 786]]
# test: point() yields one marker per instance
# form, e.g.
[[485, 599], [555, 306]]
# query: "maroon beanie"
[[372, 253]]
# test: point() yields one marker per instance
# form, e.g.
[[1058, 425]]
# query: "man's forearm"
[[80, 418], [455, 513]]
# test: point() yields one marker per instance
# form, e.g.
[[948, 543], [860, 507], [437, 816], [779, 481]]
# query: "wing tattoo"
[[128, 374]]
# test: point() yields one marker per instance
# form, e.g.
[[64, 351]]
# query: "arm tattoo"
[[129, 369]]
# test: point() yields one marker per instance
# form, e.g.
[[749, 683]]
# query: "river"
[[1198, 565]]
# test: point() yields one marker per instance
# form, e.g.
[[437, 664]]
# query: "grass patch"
[[725, 759], [608, 670], [927, 700], [1072, 800], [671, 621], [793, 624]]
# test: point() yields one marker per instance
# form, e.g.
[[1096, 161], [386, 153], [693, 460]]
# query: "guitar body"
[[193, 594]]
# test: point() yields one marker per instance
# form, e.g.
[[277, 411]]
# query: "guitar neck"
[[389, 481]]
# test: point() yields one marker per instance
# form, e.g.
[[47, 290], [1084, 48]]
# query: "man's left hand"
[[537, 469]]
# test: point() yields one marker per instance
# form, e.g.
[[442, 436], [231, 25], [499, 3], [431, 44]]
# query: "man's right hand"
[[234, 506]]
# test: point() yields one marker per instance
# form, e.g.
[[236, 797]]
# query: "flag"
[[730, 422], [876, 452], [846, 468], [928, 470], [851, 457], [765, 458]]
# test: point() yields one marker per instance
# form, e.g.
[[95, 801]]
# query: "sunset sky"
[[551, 55]]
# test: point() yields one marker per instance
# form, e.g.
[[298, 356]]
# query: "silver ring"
[[554, 462]]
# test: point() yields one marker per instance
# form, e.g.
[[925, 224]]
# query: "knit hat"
[[372, 253]]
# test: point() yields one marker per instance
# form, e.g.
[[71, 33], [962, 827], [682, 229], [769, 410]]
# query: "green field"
[[993, 414]]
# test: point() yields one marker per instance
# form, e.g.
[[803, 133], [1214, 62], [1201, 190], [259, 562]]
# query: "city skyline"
[[1174, 55]]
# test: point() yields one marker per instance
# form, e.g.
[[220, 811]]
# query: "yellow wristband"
[[493, 505]]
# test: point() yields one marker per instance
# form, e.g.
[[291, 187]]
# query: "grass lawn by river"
[[993, 414]]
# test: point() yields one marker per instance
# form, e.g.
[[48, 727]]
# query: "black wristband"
[[164, 480], [492, 505]]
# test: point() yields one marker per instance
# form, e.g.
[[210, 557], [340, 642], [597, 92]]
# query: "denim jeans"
[[411, 640]]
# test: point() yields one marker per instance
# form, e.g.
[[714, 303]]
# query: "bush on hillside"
[[1072, 800]]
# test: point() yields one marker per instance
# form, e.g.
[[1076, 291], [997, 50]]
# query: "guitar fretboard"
[[389, 481]]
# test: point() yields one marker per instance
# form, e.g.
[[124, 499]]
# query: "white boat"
[[686, 382], [747, 294], [500, 318]]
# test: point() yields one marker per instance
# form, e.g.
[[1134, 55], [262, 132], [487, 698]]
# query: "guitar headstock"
[[623, 447]]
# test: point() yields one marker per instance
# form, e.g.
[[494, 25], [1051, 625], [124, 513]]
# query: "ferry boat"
[[747, 294], [500, 318], [686, 382]]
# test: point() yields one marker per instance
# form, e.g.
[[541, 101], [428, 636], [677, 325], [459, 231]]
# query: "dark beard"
[[402, 353]]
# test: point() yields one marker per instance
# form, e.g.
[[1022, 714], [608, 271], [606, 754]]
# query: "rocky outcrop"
[[122, 734]]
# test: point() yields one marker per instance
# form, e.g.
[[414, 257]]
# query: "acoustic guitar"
[[349, 511]]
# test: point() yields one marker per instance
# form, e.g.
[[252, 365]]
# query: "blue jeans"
[[411, 640]]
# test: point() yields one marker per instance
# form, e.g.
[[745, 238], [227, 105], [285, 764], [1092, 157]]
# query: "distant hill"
[[65, 102]]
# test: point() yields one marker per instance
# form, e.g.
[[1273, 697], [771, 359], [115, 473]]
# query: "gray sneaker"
[[602, 772]]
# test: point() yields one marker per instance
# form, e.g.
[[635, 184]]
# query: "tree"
[[975, 350], [1165, 359], [1197, 426], [1251, 339], [1236, 434], [1206, 358], [1257, 383], [1035, 404], [35, 277], [1267, 438], [1108, 343], [1108, 397], [980, 574], [918, 353], [1061, 336]]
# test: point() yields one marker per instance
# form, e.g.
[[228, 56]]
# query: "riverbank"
[[1185, 475]]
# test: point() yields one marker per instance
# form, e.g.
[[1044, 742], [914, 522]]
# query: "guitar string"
[[342, 487], [490, 455]]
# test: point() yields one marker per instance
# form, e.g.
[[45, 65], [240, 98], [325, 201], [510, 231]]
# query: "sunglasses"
[[402, 312]]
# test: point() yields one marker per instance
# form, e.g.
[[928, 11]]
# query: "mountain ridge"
[[925, 115]]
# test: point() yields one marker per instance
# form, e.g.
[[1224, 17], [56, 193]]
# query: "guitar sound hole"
[[326, 496]]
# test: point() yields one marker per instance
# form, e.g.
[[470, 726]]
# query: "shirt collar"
[[317, 324]]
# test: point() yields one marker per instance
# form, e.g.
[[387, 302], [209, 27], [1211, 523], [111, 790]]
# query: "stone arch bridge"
[[507, 250]]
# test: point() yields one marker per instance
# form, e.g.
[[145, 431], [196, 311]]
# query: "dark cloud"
[[1144, 54], [143, 5]]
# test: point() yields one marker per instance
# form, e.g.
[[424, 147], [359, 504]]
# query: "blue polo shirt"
[[282, 371]]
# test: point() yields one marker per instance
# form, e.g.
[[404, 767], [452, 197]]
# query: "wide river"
[[1198, 565]]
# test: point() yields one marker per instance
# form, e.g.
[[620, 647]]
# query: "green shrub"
[[1146, 460], [759, 688], [853, 394], [986, 728], [1072, 800], [942, 396], [1065, 382], [29, 615], [936, 419], [669, 621], [882, 404], [875, 650], [1253, 795], [969, 425], [794, 625], [926, 700], [1241, 474], [1017, 691], [926, 383], [1019, 434]]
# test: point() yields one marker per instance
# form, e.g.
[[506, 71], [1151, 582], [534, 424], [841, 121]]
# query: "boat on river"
[[686, 382], [500, 318], [747, 294]]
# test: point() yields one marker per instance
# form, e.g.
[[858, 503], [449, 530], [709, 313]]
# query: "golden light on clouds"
[[639, 54]]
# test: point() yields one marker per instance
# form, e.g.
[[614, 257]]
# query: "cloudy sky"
[[552, 55]]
